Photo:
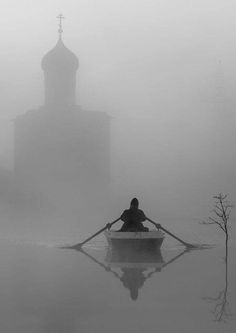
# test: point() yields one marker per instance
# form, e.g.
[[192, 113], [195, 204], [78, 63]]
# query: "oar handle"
[[154, 223], [169, 233], [108, 225]]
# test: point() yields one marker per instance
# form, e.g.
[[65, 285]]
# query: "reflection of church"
[[60, 146]]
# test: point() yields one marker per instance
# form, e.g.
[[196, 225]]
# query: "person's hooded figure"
[[133, 218]]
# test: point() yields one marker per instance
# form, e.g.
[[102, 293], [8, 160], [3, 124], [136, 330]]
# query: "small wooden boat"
[[137, 241]]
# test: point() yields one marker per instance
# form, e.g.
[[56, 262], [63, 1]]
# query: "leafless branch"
[[221, 212]]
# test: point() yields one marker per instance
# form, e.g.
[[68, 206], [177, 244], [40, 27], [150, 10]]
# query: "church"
[[60, 147]]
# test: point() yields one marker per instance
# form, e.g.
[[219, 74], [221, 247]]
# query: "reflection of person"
[[133, 218], [133, 279]]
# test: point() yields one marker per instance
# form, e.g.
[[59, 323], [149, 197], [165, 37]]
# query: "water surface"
[[47, 289]]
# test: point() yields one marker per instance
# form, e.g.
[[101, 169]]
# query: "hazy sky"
[[144, 58], [133, 53]]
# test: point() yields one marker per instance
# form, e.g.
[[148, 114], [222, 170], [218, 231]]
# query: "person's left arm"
[[142, 216]]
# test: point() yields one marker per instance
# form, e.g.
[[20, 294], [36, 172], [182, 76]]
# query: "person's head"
[[134, 203]]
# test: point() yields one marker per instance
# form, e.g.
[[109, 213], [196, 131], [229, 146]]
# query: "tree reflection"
[[221, 310]]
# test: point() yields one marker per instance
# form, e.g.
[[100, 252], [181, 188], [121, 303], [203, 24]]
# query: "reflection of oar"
[[172, 235], [107, 226], [168, 263], [107, 268], [175, 258], [149, 275]]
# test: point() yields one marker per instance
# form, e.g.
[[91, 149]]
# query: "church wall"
[[56, 148]]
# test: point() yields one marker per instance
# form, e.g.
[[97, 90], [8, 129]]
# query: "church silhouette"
[[61, 150]]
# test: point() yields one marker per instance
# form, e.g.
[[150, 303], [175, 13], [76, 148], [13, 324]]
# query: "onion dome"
[[60, 59]]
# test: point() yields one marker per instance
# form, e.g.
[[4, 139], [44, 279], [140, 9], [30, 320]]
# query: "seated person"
[[133, 218]]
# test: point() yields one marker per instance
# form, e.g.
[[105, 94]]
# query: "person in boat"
[[133, 218]]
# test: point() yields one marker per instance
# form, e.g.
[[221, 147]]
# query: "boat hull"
[[135, 241]]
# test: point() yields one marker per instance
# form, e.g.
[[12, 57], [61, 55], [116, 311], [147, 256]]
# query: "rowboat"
[[137, 241]]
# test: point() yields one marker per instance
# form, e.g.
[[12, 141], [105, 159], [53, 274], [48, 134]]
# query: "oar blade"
[[77, 247]]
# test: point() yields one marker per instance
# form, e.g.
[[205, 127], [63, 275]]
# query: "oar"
[[170, 233], [108, 225]]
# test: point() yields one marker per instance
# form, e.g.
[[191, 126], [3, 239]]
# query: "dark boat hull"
[[136, 244]]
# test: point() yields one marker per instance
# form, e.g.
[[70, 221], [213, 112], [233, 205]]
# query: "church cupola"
[[60, 66]]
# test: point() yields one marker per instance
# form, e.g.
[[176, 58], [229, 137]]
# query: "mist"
[[117, 129], [163, 72]]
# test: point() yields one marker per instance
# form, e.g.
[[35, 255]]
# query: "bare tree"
[[221, 216]]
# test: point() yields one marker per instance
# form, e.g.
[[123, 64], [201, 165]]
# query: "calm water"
[[46, 289]]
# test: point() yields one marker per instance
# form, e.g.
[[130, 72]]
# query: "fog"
[[165, 74]]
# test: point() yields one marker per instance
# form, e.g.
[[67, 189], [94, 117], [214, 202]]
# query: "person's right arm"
[[124, 216]]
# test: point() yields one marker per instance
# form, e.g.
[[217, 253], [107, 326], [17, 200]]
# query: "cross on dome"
[[60, 30], [60, 66]]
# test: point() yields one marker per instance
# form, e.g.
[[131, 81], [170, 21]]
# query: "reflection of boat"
[[133, 268], [121, 258], [138, 241]]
